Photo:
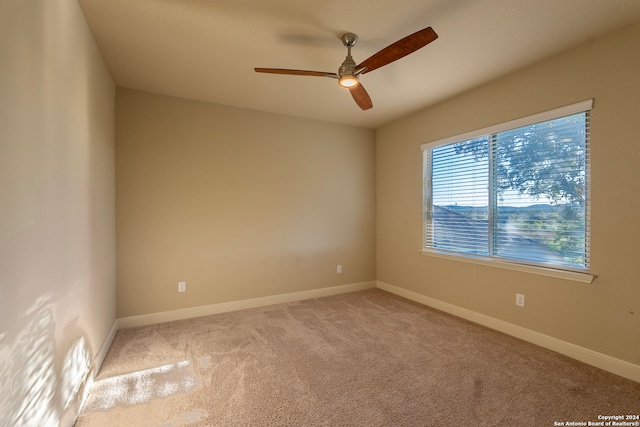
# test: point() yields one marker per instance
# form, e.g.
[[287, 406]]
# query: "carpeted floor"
[[366, 358]]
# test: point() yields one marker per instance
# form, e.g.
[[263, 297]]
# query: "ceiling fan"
[[349, 72]]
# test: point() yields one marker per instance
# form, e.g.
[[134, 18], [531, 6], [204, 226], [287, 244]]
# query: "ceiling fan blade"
[[399, 49], [295, 72], [361, 96]]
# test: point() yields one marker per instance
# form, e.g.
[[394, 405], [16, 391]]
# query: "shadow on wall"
[[45, 360], [33, 394]]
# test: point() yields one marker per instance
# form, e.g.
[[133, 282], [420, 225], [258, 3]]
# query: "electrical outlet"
[[520, 300], [339, 269], [182, 286]]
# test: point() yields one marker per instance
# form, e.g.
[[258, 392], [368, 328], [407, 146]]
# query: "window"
[[515, 192]]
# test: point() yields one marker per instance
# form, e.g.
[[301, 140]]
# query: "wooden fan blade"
[[399, 49], [295, 72], [361, 96]]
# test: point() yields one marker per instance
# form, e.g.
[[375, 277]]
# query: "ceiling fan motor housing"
[[348, 67]]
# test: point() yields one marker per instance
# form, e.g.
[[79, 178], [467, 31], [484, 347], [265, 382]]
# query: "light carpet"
[[367, 358]]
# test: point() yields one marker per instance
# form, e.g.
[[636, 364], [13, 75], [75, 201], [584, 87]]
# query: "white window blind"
[[518, 191]]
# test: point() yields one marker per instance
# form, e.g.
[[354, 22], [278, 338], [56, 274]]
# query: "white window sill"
[[491, 262]]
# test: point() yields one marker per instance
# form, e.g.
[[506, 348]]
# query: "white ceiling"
[[207, 49]]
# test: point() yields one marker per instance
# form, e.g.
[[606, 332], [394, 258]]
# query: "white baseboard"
[[99, 359], [593, 358], [206, 310]]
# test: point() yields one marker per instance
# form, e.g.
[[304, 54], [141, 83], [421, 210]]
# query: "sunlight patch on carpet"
[[142, 386]]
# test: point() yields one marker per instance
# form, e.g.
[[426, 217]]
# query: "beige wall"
[[603, 316], [57, 209], [239, 204]]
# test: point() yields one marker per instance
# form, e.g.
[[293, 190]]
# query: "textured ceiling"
[[207, 49]]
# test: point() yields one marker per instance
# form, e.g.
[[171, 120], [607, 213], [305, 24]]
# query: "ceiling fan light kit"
[[348, 73], [348, 81]]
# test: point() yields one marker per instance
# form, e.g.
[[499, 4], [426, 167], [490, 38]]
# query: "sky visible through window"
[[462, 178], [448, 191]]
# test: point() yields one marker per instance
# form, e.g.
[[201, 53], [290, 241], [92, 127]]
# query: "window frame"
[[580, 275]]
